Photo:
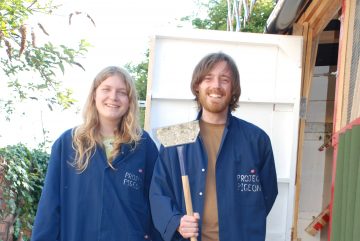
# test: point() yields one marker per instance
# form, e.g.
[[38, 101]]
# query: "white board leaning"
[[270, 77]]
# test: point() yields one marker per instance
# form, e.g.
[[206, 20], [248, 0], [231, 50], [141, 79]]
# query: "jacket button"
[[203, 170], [200, 193], [146, 236]]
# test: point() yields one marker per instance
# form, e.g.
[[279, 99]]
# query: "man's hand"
[[189, 226]]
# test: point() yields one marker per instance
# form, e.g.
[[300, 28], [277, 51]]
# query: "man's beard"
[[213, 106]]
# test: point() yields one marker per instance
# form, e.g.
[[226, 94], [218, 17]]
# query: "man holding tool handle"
[[229, 166]]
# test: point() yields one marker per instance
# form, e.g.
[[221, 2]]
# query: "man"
[[230, 167]]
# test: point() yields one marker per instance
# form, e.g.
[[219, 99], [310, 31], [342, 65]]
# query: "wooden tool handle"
[[187, 196]]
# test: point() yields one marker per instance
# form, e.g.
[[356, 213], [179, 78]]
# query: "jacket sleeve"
[[47, 221], [268, 173], [151, 157], [164, 209]]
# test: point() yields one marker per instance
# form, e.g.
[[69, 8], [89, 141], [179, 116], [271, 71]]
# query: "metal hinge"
[[302, 113]]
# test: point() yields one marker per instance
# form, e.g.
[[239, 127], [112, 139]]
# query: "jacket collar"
[[229, 115]]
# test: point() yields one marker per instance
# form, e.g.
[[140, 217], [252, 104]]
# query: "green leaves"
[[216, 19], [33, 70], [259, 15], [139, 72], [217, 13], [65, 99], [22, 173]]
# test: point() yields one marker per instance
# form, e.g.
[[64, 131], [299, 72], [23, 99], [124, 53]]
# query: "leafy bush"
[[22, 173]]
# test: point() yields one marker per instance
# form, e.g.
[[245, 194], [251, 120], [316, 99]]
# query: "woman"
[[98, 178]]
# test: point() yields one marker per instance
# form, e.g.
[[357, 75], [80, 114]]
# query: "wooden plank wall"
[[344, 67], [355, 111]]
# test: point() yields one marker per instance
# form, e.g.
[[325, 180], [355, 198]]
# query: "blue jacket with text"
[[246, 184], [100, 203]]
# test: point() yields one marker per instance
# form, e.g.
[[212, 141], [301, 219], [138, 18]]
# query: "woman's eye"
[[122, 93]]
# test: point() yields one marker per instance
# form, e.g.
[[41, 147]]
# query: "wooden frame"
[[310, 24], [149, 85], [342, 86], [355, 111]]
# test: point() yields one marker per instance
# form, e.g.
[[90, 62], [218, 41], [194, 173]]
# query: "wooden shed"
[[328, 169]]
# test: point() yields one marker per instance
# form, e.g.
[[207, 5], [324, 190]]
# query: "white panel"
[[277, 121], [321, 70], [270, 74], [176, 79], [319, 88], [312, 177], [288, 71], [320, 111], [248, 61], [282, 141], [276, 221], [174, 76], [186, 110], [255, 113]]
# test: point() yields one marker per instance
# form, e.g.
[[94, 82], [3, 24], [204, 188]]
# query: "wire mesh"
[[354, 63]]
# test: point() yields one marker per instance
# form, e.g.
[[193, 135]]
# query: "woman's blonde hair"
[[87, 136]]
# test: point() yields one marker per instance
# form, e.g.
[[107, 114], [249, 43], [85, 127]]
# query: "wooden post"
[[311, 43], [342, 60], [149, 84]]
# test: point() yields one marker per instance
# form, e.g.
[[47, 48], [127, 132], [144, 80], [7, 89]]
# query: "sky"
[[122, 32], [121, 35], [122, 27]]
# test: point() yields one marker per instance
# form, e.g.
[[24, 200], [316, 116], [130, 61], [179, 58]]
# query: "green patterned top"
[[108, 144]]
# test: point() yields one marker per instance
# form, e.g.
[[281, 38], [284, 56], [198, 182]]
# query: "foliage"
[[259, 16], [22, 173], [21, 58], [217, 16], [139, 72]]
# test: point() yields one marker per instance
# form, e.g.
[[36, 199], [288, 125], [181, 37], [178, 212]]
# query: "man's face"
[[215, 89]]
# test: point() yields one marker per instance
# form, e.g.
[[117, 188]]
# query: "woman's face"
[[111, 100]]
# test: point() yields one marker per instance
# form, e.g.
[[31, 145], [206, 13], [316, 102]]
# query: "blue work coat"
[[100, 203], [246, 184]]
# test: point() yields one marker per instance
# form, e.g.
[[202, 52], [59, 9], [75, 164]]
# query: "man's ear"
[[196, 88]]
